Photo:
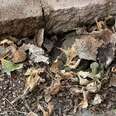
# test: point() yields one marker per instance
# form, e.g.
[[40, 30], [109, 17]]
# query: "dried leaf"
[[36, 54], [6, 41], [76, 91], [83, 77], [33, 78], [97, 99], [84, 102], [56, 65], [32, 114], [55, 87], [9, 66], [94, 68], [93, 87], [83, 81], [84, 46], [19, 56], [68, 75]]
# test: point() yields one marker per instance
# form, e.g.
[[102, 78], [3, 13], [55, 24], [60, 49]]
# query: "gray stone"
[[20, 17]]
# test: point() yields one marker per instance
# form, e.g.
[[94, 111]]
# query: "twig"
[[26, 91], [11, 105]]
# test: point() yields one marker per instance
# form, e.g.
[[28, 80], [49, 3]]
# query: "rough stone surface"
[[68, 14], [20, 17]]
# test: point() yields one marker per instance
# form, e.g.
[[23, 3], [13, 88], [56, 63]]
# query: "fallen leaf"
[[36, 53], [6, 41], [19, 56], [93, 87], [33, 78], [94, 68], [83, 81], [84, 102], [97, 99], [68, 75], [83, 77], [31, 114], [84, 46], [76, 90], [9, 66], [55, 87], [50, 108], [56, 66]]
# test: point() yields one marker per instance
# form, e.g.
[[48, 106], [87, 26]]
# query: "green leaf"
[[9, 66], [94, 67]]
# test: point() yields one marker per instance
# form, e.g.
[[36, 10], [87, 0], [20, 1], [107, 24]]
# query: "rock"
[[20, 18], [19, 56], [68, 14]]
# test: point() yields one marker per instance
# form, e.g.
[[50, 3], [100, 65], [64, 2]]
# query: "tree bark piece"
[[68, 14]]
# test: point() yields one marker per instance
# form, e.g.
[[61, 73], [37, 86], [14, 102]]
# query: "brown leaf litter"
[[66, 88]]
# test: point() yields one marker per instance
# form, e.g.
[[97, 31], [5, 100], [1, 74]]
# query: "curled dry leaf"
[[36, 53], [56, 65], [68, 75], [5, 41], [84, 102], [33, 78], [31, 114], [76, 91], [55, 87], [84, 46], [19, 56], [71, 54], [83, 77], [93, 87], [97, 99], [83, 81]]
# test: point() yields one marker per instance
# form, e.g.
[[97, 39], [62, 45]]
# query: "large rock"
[[68, 14], [20, 17]]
